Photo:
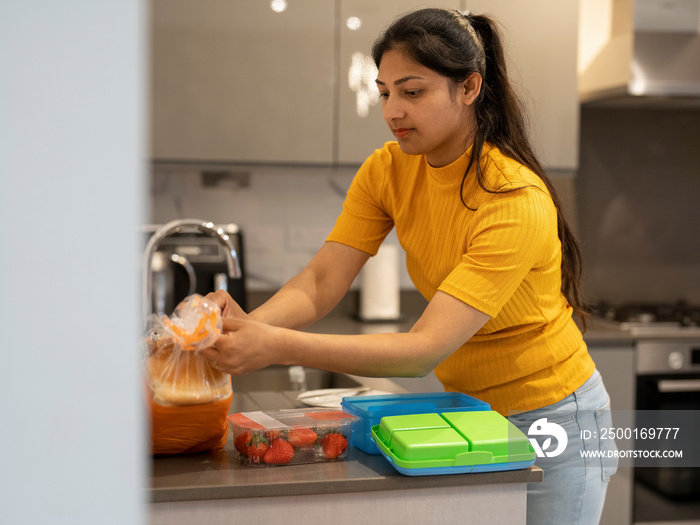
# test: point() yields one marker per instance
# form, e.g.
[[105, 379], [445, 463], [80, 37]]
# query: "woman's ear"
[[472, 88]]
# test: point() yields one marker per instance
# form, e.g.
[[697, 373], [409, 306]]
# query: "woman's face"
[[424, 111]]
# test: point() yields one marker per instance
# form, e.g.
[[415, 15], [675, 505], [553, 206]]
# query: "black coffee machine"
[[191, 261]]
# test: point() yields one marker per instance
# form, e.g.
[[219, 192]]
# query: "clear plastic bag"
[[189, 398]]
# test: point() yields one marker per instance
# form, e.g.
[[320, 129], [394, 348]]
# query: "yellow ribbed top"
[[502, 256]]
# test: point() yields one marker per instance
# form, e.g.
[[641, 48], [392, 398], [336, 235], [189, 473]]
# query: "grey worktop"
[[343, 321], [598, 332], [218, 475]]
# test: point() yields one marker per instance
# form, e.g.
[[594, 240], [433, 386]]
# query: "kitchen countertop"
[[601, 331], [598, 331], [218, 475]]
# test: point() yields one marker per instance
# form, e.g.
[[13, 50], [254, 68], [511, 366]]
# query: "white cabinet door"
[[541, 39], [361, 127], [237, 81]]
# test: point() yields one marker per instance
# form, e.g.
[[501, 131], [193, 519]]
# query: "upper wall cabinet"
[[361, 127], [541, 39], [242, 81], [236, 81], [541, 43]]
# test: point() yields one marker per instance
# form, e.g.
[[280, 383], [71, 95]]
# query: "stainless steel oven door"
[[668, 379]]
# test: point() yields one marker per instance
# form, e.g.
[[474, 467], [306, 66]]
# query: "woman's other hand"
[[244, 346], [229, 307]]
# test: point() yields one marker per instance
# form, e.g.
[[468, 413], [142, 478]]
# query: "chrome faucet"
[[176, 226]]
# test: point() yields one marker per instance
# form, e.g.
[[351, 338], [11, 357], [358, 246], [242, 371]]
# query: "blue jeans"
[[574, 486]]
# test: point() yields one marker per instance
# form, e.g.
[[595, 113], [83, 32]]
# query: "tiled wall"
[[285, 213]]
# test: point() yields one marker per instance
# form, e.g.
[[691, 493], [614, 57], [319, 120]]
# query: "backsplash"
[[285, 212], [638, 193]]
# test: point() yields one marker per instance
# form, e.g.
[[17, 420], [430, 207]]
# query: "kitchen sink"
[[276, 378]]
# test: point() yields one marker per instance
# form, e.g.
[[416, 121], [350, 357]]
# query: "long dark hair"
[[456, 45]]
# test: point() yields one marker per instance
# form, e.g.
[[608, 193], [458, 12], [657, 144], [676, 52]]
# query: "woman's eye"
[[410, 93]]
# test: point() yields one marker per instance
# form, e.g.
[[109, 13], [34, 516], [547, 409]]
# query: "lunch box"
[[369, 410], [452, 443]]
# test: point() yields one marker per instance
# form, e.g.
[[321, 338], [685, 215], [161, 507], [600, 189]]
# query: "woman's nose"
[[393, 109]]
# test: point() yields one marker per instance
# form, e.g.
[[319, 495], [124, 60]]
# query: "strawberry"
[[280, 452], [241, 441], [256, 448], [273, 434], [252, 445], [301, 437], [333, 445]]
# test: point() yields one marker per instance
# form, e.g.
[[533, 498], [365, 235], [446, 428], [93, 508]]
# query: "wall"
[[637, 202], [285, 212], [73, 440]]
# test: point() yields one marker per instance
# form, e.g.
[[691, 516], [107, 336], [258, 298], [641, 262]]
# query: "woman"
[[485, 242]]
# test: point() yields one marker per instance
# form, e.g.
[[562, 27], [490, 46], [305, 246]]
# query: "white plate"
[[331, 397]]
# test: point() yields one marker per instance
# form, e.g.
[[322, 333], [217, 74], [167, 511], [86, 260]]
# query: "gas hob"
[[651, 319]]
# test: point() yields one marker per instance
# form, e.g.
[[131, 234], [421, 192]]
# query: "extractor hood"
[[640, 52]]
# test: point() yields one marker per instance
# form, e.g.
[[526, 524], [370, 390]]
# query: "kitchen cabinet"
[[541, 39], [237, 81], [484, 501], [541, 44], [615, 362]]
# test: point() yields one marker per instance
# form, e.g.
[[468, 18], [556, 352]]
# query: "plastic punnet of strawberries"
[[290, 446], [291, 436]]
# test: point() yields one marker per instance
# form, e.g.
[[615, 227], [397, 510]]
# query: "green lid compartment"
[[428, 444], [490, 432], [451, 439], [392, 424]]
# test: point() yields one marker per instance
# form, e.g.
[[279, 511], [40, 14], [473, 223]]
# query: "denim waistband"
[[590, 383]]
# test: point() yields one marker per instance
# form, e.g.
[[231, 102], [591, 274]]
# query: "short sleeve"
[[513, 233], [365, 220]]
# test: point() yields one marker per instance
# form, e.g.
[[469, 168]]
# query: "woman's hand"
[[244, 346], [247, 345], [229, 307]]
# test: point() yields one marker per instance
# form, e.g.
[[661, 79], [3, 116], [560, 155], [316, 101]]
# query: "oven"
[[667, 395], [668, 382]]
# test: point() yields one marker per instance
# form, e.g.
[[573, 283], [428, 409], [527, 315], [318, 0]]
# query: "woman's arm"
[[316, 290], [446, 324], [308, 296]]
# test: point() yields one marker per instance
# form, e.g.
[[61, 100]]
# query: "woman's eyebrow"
[[400, 81]]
